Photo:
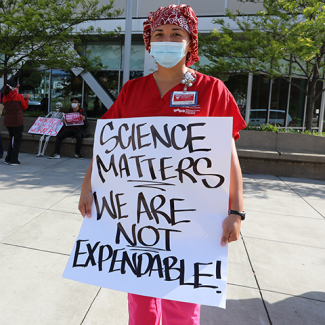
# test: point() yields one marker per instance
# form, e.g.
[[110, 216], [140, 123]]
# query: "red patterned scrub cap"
[[182, 16]]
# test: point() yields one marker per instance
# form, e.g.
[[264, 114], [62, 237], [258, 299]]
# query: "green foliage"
[[310, 133], [286, 39], [286, 28], [43, 33], [265, 127], [275, 128]]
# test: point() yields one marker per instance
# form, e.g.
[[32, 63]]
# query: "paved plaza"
[[276, 270]]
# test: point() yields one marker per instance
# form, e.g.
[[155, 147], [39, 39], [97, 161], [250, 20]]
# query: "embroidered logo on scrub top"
[[186, 110]]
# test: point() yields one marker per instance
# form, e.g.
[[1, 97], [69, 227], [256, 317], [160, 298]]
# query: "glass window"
[[277, 115], [260, 114], [319, 87], [260, 93], [137, 56], [95, 107], [237, 85], [133, 75], [109, 52], [35, 83], [64, 86], [109, 80], [257, 116], [297, 102], [279, 94]]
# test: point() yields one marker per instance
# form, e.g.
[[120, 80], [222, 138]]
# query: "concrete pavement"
[[276, 270]]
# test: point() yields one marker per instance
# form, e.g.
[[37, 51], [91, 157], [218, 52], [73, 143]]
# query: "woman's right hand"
[[85, 203], [86, 196]]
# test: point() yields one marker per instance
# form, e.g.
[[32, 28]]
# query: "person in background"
[[45, 103], [14, 104], [75, 131], [171, 37], [1, 147], [96, 106]]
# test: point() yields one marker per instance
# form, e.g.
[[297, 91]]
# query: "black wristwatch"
[[241, 214]]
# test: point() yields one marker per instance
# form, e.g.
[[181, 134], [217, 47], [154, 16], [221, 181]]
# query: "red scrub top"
[[141, 98]]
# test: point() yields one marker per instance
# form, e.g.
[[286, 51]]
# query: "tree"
[[40, 33], [288, 35]]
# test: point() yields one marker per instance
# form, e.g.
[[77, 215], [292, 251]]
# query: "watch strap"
[[241, 214]]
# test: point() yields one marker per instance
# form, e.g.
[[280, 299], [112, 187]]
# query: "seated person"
[[75, 131]]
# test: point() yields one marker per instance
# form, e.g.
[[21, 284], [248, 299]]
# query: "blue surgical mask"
[[168, 54]]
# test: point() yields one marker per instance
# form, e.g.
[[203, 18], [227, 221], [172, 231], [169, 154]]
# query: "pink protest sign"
[[73, 119], [46, 126]]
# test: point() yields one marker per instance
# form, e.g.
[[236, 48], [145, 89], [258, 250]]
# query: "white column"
[[288, 105], [127, 40], [50, 93], [83, 93], [321, 111], [249, 97], [270, 100]]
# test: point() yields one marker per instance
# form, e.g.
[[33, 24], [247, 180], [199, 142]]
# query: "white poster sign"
[[46, 126], [161, 192]]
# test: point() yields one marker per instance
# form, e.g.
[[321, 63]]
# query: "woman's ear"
[[188, 51], [189, 47]]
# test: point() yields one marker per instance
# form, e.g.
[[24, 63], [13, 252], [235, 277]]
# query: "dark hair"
[[11, 83], [78, 99], [7, 91]]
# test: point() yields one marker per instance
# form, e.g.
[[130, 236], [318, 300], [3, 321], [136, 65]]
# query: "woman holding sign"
[[171, 37]]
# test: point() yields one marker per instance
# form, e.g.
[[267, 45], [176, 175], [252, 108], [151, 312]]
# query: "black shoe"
[[6, 162], [78, 155], [15, 163], [55, 156]]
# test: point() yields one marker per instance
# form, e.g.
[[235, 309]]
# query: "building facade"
[[273, 101]]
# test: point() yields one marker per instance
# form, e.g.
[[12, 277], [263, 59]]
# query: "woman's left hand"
[[231, 229]]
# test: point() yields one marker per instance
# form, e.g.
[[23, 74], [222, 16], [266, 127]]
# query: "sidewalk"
[[276, 270]]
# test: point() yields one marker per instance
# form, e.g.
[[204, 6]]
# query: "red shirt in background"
[[14, 105]]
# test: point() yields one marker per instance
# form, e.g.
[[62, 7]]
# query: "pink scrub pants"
[[147, 311]]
